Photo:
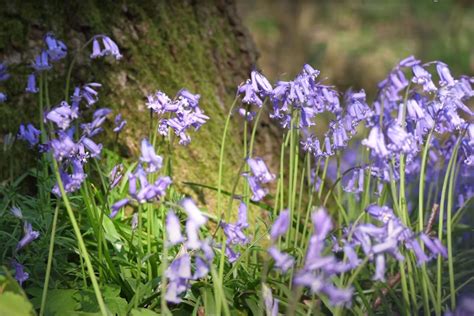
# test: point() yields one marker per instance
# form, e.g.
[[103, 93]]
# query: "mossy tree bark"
[[167, 45]]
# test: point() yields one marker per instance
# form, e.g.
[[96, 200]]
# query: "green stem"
[[50, 261], [82, 246]]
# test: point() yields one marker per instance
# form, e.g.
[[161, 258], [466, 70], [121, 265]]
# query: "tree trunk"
[[167, 45]]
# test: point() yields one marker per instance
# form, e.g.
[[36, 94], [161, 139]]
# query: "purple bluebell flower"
[[202, 268], [20, 275], [63, 147], [271, 304], [444, 74], [89, 94], [194, 214], [179, 274], [16, 211], [260, 170], [119, 123], [153, 161], [376, 142], [258, 193], [57, 50], [31, 85], [231, 254], [109, 48], [379, 268], [173, 229], [434, 245], [62, 115], [283, 261], [94, 149], [118, 206], [41, 62], [3, 97], [28, 237], [29, 134], [4, 75], [159, 102], [280, 226], [423, 77], [115, 175]]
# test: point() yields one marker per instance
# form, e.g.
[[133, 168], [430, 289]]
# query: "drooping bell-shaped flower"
[[31, 85]]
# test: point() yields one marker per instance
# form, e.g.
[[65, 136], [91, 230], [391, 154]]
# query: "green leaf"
[[61, 302], [13, 304]]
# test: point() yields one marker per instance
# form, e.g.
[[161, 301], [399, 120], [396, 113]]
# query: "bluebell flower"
[[31, 85], [57, 50], [376, 142], [117, 206], [115, 175], [41, 62], [4, 75], [260, 170], [3, 97], [16, 211], [258, 193], [153, 161], [271, 304], [280, 226], [119, 123], [173, 229], [283, 261], [62, 115], [20, 275], [231, 254], [193, 212], [109, 47], [94, 149], [29, 134], [89, 94], [202, 268], [178, 274], [28, 237]]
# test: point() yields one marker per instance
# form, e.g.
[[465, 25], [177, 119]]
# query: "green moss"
[[167, 46]]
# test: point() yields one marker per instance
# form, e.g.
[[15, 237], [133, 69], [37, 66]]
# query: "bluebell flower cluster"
[[70, 150], [139, 187], [389, 239], [29, 235], [180, 271], [178, 115], [235, 234]]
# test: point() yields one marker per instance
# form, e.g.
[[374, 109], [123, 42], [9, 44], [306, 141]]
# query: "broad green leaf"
[[13, 304]]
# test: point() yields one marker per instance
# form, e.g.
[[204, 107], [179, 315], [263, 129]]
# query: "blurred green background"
[[354, 42]]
